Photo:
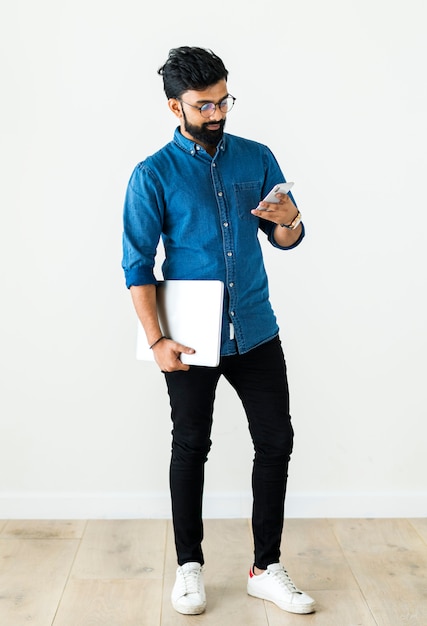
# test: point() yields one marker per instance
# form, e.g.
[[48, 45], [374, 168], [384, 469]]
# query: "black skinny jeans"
[[259, 378]]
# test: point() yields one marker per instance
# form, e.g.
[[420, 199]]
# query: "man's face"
[[207, 131]]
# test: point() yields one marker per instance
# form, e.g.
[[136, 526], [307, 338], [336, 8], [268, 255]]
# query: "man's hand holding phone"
[[277, 205], [272, 198]]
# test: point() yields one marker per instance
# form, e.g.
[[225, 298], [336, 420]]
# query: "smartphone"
[[279, 188]]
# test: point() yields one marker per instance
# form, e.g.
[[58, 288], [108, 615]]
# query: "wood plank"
[[420, 525], [389, 561], [32, 578], [43, 529], [376, 535], [313, 556], [121, 549], [110, 603], [228, 554], [362, 572], [394, 586]]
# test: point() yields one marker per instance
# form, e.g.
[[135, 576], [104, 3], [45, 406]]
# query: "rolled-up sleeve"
[[271, 239], [142, 227]]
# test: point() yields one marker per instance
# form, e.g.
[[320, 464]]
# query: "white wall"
[[337, 89]]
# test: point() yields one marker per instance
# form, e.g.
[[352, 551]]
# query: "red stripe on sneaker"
[[251, 574]]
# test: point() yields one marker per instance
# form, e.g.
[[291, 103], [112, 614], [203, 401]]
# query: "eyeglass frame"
[[216, 104]]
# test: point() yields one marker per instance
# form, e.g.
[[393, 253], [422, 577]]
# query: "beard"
[[203, 134]]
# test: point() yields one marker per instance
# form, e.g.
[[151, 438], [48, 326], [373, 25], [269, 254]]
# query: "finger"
[[260, 211], [265, 206], [185, 349], [266, 214], [175, 366]]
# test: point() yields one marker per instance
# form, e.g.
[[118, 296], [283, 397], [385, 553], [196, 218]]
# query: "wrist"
[[294, 224], [156, 342]]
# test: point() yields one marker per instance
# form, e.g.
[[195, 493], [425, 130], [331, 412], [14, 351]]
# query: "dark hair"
[[191, 68]]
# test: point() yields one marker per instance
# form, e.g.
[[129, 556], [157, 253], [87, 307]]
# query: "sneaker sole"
[[189, 610], [290, 608]]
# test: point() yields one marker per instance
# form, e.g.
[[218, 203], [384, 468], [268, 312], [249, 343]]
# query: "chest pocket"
[[247, 196]]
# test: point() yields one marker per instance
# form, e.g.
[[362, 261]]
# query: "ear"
[[175, 107]]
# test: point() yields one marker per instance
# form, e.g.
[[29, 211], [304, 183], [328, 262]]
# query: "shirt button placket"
[[229, 254]]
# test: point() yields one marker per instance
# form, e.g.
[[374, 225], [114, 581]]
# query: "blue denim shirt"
[[201, 207]]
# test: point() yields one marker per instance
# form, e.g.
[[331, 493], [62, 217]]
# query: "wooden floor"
[[120, 573]]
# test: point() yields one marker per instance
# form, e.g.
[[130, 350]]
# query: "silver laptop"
[[190, 312]]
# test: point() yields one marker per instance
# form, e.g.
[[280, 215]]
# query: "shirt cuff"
[[138, 276], [294, 245]]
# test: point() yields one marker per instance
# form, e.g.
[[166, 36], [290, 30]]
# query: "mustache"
[[206, 125]]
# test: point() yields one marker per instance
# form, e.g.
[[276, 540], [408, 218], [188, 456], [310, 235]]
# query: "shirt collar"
[[191, 146]]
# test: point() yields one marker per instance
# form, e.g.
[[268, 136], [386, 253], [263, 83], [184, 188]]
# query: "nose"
[[217, 114]]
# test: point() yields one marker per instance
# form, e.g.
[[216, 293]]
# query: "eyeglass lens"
[[209, 108]]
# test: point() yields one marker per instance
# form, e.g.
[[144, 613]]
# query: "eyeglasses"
[[209, 108]]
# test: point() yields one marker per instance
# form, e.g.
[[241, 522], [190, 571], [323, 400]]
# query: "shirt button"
[[232, 313], [220, 193], [225, 224], [213, 164], [231, 284], [229, 254]]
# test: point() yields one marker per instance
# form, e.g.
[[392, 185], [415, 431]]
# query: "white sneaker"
[[188, 594], [276, 586]]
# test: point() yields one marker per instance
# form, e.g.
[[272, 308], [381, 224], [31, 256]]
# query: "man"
[[201, 193]]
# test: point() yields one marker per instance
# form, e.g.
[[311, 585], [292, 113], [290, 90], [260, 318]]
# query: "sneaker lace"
[[191, 580], [284, 580]]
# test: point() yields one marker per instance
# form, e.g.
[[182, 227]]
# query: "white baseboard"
[[216, 505]]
